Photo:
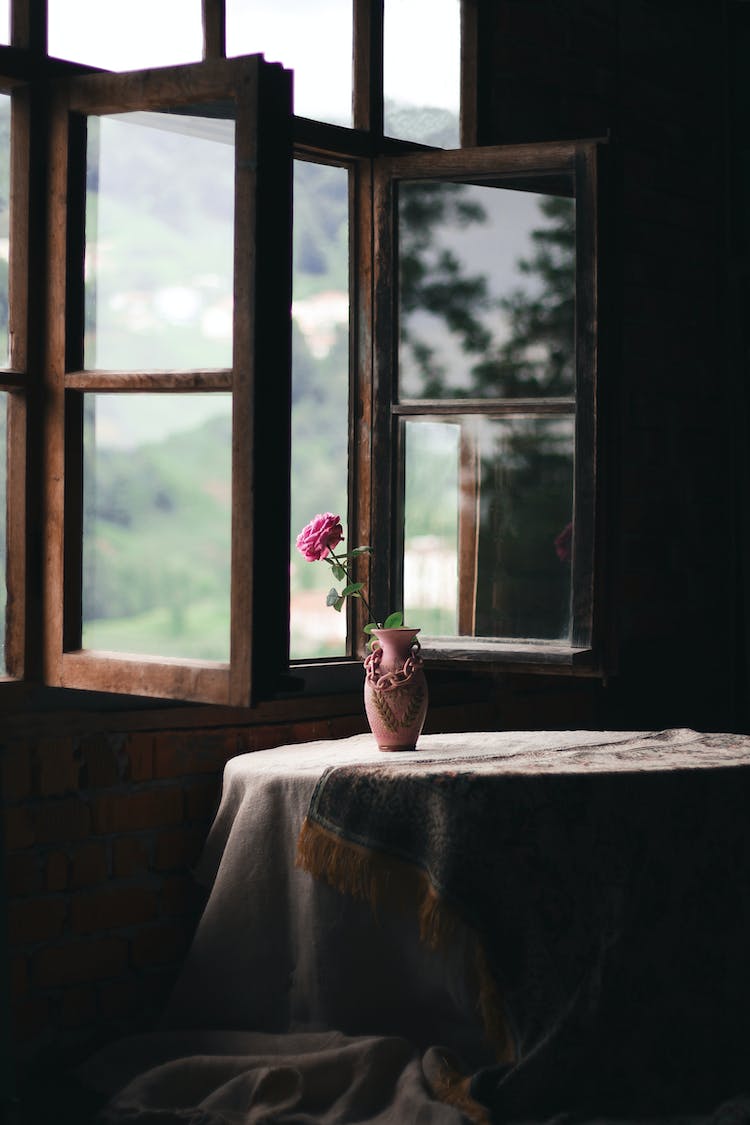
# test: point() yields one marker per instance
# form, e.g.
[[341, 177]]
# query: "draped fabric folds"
[[606, 890]]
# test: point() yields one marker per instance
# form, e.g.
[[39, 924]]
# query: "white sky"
[[314, 37]]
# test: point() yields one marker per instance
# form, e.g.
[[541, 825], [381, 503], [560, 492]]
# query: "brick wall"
[[101, 832], [651, 76]]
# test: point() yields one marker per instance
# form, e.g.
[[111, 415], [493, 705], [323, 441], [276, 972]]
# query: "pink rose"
[[320, 536]]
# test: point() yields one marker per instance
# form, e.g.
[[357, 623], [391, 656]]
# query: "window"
[[252, 316], [485, 384]]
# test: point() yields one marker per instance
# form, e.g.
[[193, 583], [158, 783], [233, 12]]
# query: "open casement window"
[[484, 399], [168, 351]]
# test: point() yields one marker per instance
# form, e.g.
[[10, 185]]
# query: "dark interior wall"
[[105, 813], [651, 75]]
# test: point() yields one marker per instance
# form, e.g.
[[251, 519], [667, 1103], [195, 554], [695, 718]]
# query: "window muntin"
[[314, 39], [156, 524], [125, 34], [159, 233], [320, 393], [422, 71]]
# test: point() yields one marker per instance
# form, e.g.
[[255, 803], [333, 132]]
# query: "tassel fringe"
[[376, 878], [451, 1087]]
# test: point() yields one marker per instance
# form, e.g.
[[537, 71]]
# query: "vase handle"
[[391, 680]]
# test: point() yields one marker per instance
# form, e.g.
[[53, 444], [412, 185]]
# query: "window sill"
[[532, 656]]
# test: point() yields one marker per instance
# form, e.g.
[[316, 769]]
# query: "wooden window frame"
[[580, 162], [14, 380], [259, 592], [44, 438]]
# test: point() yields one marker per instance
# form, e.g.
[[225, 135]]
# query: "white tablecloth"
[[287, 979]]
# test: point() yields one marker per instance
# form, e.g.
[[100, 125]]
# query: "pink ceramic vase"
[[395, 689]]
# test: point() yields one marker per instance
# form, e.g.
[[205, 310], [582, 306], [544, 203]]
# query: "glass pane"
[[320, 393], [126, 34], [422, 71], [5, 21], [313, 38], [493, 499], [4, 225], [486, 291], [3, 539], [432, 453], [159, 242], [157, 515]]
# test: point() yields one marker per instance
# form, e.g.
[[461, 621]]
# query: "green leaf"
[[394, 620], [333, 596], [338, 604], [370, 626], [338, 571], [352, 588], [359, 551]]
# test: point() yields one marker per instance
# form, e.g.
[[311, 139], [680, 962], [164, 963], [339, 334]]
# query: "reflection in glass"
[[126, 34], [486, 292], [422, 71], [496, 497], [5, 21], [314, 39], [431, 452], [3, 532], [157, 514], [159, 242], [320, 393], [4, 225]]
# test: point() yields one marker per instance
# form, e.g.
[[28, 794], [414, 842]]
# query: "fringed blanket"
[[607, 890]]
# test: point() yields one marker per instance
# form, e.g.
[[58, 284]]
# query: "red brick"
[[100, 765], [23, 874], [35, 919], [180, 895], [138, 757], [58, 768], [111, 910], [121, 997], [130, 856], [202, 799], [19, 829], [149, 808], [89, 864], [57, 871], [16, 773], [158, 945], [77, 1007], [68, 819], [157, 986], [30, 1018], [260, 738], [179, 848], [177, 755], [77, 962]]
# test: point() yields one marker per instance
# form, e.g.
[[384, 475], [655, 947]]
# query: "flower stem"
[[334, 559]]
